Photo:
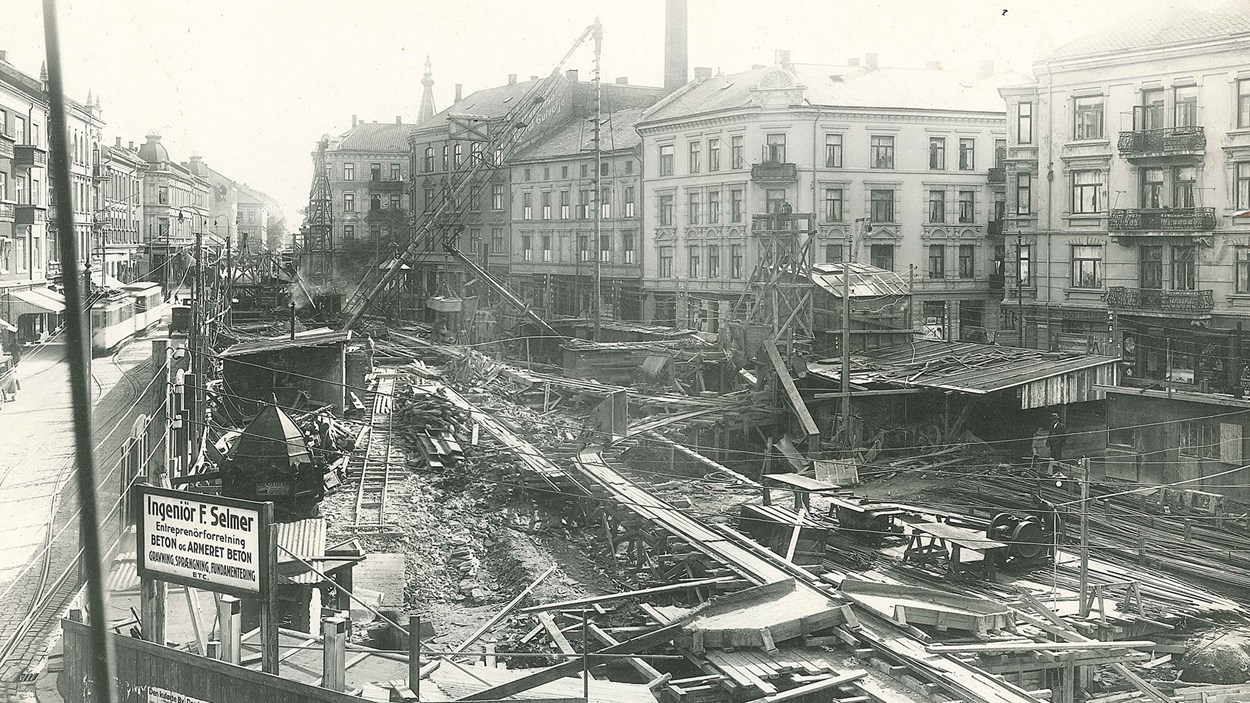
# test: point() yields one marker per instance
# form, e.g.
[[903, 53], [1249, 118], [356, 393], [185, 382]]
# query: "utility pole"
[[1084, 479], [1020, 289], [846, 334], [597, 199]]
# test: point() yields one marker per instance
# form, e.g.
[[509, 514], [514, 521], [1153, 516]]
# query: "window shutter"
[[1230, 443]]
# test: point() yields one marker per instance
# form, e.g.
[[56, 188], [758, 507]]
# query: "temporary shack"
[[271, 462]]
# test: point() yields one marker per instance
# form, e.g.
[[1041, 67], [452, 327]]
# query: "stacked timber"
[[433, 426]]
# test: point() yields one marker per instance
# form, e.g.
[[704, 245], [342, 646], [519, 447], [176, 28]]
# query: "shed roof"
[[320, 337], [867, 281]]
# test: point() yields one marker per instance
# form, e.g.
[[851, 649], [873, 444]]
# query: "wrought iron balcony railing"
[[994, 228], [1187, 219], [1157, 300], [1163, 142], [774, 172]]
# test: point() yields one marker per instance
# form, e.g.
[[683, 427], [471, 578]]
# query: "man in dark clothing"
[[1057, 437]]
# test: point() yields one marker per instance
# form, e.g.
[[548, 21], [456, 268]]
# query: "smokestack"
[[702, 73], [353, 120], [871, 59], [571, 74], [623, 80], [675, 52], [460, 91], [782, 58], [511, 79], [4, 56]]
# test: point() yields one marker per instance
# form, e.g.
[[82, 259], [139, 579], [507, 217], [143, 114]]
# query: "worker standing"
[[1057, 437]]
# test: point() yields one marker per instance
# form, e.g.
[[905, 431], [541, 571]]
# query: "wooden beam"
[[503, 613], [650, 673], [792, 392], [553, 631], [880, 391], [814, 687], [628, 594], [987, 647]]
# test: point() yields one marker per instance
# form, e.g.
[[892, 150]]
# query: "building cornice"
[[806, 114]]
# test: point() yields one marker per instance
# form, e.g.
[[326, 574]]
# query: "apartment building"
[[1128, 221], [175, 208], [893, 163], [368, 170], [23, 184], [85, 134], [119, 213]]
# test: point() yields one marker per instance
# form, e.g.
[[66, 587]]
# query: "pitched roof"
[[374, 136], [1177, 24], [617, 132], [842, 86], [491, 102], [272, 435]]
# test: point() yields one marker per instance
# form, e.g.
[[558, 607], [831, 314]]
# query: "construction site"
[[476, 499]]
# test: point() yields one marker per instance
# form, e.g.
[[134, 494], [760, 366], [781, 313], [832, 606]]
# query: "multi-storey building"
[[893, 163], [119, 213], [1128, 219], [368, 168], [84, 127], [175, 208], [23, 182], [561, 184], [252, 222]]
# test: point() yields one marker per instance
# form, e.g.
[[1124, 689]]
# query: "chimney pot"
[[353, 120], [623, 80], [782, 57], [852, 62], [398, 120], [4, 55], [571, 74], [459, 91], [131, 146], [871, 60], [702, 73], [511, 79], [119, 142]]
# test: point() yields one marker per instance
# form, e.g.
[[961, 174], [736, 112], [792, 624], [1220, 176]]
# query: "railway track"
[[375, 466]]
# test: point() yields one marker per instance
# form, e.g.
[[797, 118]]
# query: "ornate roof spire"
[[427, 95]]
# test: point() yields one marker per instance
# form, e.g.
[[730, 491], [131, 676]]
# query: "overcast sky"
[[251, 84]]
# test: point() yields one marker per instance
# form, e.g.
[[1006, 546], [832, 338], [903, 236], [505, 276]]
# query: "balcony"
[[27, 214], [783, 223], [99, 173], [384, 184], [1153, 300], [994, 228], [998, 175], [6, 212], [1186, 219], [774, 172], [27, 155], [1154, 143]]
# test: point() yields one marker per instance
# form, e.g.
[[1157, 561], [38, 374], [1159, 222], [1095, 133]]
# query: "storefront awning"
[[6, 327], [29, 302]]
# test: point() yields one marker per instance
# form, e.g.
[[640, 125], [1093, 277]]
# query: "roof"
[[1178, 23], [152, 151], [617, 132], [842, 86], [374, 136], [866, 281], [272, 435], [491, 102], [312, 338], [957, 366]]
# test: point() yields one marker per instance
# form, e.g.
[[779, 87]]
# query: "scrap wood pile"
[[970, 457], [433, 425], [473, 370]]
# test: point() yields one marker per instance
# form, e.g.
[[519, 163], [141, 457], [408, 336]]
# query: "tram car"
[[129, 313]]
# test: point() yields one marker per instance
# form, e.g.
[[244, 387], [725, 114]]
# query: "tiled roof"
[[1176, 24], [845, 86], [374, 136], [491, 102], [617, 132]]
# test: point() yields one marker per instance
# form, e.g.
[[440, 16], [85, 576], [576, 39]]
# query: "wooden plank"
[[792, 392], [816, 687], [628, 594], [553, 631], [646, 670], [503, 613], [1035, 646]]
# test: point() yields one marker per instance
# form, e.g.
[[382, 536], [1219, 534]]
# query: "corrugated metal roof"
[[311, 338], [957, 366], [867, 281], [306, 538]]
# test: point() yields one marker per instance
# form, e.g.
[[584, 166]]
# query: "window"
[[394, 204], [735, 205], [1183, 179], [833, 204], [713, 207], [546, 242], [713, 154], [583, 247], [349, 231], [527, 247], [1086, 186], [937, 153], [545, 197], [1243, 102], [937, 261], [967, 206], [693, 162], [666, 209], [713, 261], [967, 154], [735, 152], [1024, 123], [1200, 439], [1086, 266], [375, 172], [881, 205], [496, 196], [1024, 268], [498, 155], [665, 257], [967, 261], [496, 240], [605, 248], [881, 256], [583, 204], [475, 152], [1243, 270], [774, 199], [446, 157], [666, 160], [1242, 186], [527, 206], [1087, 118], [349, 202], [881, 152], [427, 164], [1186, 105], [629, 201], [735, 261], [628, 247], [605, 168], [605, 203], [1150, 266], [1152, 188], [1024, 193], [475, 197], [692, 261], [457, 155], [775, 148], [833, 151], [1183, 273], [696, 205], [937, 206], [1150, 114], [564, 205], [629, 166], [525, 175], [162, 195], [547, 173]]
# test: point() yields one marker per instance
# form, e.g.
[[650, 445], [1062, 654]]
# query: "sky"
[[250, 85]]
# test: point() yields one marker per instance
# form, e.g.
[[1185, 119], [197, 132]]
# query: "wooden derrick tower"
[[777, 302], [317, 268]]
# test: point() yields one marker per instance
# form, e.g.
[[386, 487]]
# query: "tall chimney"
[[353, 120], [459, 91], [398, 119], [4, 56], [511, 79], [675, 53], [782, 58]]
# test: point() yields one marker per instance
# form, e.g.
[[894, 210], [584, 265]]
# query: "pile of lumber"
[[433, 426]]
